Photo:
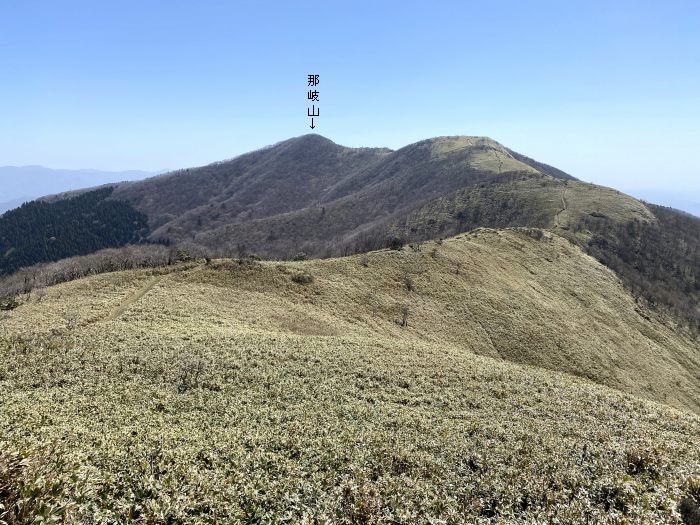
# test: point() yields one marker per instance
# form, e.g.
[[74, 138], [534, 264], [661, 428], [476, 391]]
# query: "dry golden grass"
[[230, 392], [484, 154], [496, 293], [546, 202]]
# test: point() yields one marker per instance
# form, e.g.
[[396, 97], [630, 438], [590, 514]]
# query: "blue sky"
[[608, 91]]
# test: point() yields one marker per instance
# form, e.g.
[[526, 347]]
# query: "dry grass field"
[[482, 153], [542, 201], [502, 376]]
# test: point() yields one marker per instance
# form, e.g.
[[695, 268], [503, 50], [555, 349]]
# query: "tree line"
[[41, 231]]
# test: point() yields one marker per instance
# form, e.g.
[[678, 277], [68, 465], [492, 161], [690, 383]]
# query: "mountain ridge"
[[394, 173], [310, 197]]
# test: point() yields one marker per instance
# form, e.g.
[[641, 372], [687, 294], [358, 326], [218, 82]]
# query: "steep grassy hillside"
[[394, 386], [655, 250], [532, 200]]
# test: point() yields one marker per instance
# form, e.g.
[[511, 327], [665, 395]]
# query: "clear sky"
[[608, 91]]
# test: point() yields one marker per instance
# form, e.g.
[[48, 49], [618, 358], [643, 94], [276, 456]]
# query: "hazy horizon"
[[608, 93]]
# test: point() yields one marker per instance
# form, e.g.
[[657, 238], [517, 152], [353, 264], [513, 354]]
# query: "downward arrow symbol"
[[312, 123]]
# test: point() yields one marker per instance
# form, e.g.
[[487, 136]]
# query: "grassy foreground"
[[266, 393]]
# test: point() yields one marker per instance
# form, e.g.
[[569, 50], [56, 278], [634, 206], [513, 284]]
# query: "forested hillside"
[[39, 231], [659, 261]]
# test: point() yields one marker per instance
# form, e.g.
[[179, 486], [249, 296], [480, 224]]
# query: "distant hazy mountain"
[[25, 183], [13, 203], [688, 200]]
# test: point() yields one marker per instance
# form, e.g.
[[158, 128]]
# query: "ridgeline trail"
[[143, 290], [563, 209]]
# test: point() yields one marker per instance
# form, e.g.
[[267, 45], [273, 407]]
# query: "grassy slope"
[[533, 200], [655, 251], [233, 391], [483, 153]]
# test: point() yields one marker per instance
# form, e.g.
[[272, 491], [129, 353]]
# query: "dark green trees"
[[48, 231]]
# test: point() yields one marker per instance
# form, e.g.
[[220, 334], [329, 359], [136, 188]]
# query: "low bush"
[[689, 506], [302, 278], [40, 487], [10, 303], [643, 461], [395, 243]]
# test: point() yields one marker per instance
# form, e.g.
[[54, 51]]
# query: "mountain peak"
[[450, 143], [310, 140], [316, 141]]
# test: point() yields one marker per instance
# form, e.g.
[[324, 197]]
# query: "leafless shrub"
[[29, 280], [395, 243], [252, 258], [40, 293], [692, 487], [10, 303], [109, 260], [407, 283], [191, 371], [689, 509], [689, 505], [404, 315], [643, 461], [361, 503], [72, 319], [535, 233], [183, 255]]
